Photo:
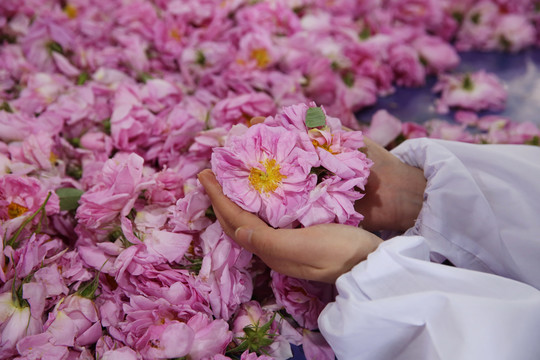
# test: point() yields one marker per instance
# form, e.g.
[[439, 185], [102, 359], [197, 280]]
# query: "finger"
[[256, 120], [230, 215], [280, 257], [280, 244], [246, 228]]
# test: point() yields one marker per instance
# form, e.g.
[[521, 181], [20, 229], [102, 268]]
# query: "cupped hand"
[[320, 252]]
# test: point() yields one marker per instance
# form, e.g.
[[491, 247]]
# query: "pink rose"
[[440, 129], [412, 130], [36, 150], [316, 347], [437, 55], [513, 32], [476, 91], [331, 201], [120, 183], [265, 171], [189, 213], [74, 321], [22, 196], [241, 108], [224, 270], [303, 299], [39, 346], [383, 128], [408, 70], [15, 323], [477, 26]]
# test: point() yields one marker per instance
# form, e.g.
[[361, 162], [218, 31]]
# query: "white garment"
[[482, 212]]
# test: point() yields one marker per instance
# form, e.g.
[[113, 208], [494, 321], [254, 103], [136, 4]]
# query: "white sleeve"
[[398, 305], [482, 212], [481, 208]]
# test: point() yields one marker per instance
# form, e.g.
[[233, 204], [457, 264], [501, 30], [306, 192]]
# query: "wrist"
[[394, 192]]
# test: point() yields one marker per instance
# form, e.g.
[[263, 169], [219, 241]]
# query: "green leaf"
[[475, 18], [348, 78], [256, 338], [364, 34], [209, 213], [82, 78], [143, 77], [534, 141], [74, 170], [315, 117], [107, 126], [76, 142], [264, 329], [10, 39], [458, 16], [467, 83], [505, 43], [194, 265], [88, 289], [53, 46], [69, 198], [200, 58], [5, 107]]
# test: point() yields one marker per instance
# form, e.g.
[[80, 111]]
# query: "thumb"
[[269, 243], [243, 235]]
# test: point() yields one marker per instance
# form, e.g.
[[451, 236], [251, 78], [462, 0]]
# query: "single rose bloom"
[[476, 91], [266, 171]]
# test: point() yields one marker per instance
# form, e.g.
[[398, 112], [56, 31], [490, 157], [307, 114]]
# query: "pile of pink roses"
[[110, 108], [297, 168]]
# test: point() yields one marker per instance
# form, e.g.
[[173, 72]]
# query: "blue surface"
[[298, 353], [520, 72]]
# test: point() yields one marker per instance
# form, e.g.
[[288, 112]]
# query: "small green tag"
[[315, 117], [69, 198]]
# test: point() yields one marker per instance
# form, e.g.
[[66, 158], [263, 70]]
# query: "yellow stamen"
[[53, 158], [267, 180], [261, 56], [325, 146], [175, 34], [16, 210], [71, 11]]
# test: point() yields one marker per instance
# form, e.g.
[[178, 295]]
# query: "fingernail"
[[243, 235], [201, 174], [205, 175], [256, 120]]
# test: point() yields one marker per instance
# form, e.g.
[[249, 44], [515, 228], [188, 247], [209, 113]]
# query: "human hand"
[[320, 252], [394, 192]]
